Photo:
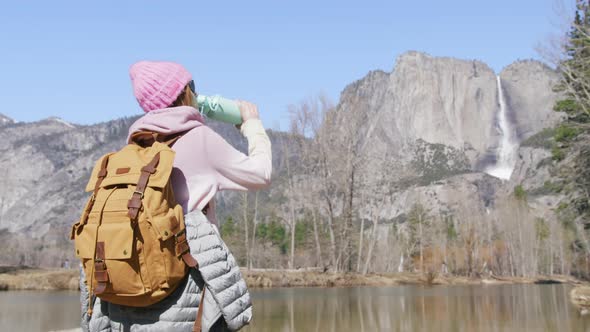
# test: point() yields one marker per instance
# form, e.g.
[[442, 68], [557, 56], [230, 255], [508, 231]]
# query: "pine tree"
[[575, 68]]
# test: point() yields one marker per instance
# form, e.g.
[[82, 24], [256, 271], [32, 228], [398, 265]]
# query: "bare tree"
[[323, 128], [245, 220], [418, 218], [291, 198], [354, 128], [361, 238], [306, 119], [254, 227], [374, 216]]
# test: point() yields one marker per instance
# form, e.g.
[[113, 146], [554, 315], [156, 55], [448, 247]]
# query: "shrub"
[[273, 232], [228, 228], [567, 105], [557, 154], [553, 187], [542, 139], [431, 276], [520, 193], [565, 133], [301, 233]]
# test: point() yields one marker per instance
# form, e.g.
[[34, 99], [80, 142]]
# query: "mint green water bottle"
[[219, 108]]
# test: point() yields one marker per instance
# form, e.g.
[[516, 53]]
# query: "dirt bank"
[[61, 279], [38, 279], [282, 278]]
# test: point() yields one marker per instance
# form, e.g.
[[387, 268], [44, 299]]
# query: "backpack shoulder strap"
[[170, 140], [147, 138], [102, 173], [134, 204]]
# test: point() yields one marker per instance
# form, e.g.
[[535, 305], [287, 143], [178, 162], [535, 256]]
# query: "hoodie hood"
[[168, 121]]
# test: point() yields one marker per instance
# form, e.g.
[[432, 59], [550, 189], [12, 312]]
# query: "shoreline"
[[67, 279], [288, 278]]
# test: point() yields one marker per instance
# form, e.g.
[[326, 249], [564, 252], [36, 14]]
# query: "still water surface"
[[402, 308]]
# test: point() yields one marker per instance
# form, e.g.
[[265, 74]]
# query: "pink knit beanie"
[[157, 84]]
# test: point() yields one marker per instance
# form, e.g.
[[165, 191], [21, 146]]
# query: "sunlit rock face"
[[461, 104], [437, 100], [4, 120], [528, 92], [443, 123]]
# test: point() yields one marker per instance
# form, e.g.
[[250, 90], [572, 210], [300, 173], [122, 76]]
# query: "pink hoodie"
[[205, 163]]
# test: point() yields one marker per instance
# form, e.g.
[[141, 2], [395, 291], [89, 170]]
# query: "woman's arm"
[[236, 170]]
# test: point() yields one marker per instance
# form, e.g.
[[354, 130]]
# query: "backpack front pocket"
[[121, 258], [85, 240]]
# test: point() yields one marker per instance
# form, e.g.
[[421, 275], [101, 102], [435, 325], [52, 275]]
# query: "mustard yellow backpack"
[[131, 236]]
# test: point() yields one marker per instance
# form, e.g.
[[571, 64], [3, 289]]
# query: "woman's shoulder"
[[217, 134], [201, 136], [201, 131]]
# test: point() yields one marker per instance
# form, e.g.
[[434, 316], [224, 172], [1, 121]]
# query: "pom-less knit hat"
[[157, 84]]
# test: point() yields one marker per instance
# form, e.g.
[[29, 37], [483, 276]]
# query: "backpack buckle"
[[181, 246], [179, 234], [139, 193]]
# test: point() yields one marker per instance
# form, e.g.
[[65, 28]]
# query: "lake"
[[401, 308]]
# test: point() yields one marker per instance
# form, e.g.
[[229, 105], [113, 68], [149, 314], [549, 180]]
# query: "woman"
[[204, 164]]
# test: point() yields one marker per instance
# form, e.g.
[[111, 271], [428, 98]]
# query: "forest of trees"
[[332, 209]]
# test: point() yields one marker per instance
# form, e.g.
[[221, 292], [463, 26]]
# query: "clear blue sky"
[[71, 58]]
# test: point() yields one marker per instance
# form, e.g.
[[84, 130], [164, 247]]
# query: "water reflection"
[[403, 308], [415, 308], [39, 311]]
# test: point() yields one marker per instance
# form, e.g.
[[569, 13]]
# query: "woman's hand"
[[247, 110]]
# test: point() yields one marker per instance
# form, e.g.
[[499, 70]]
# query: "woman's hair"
[[185, 98]]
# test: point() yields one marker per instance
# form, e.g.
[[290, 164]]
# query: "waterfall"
[[507, 149]]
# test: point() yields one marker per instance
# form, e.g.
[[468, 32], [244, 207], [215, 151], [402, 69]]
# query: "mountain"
[[438, 122], [434, 120], [452, 102], [4, 120], [528, 85]]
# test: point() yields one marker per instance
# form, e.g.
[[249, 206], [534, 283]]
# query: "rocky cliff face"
[[437, 100], [528, 86], [4, 120], [435, 120], [451, 102], [442, 100], [45, 166], [438, 118]]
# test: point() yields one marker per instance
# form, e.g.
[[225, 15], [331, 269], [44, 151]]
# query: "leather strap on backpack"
[[102, 173], [170, 140], [134, 204], [144, 138], [182, 249], [147, 138], [197, 326], [101, 274]]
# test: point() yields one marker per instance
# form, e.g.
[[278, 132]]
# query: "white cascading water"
[[507, 149]]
